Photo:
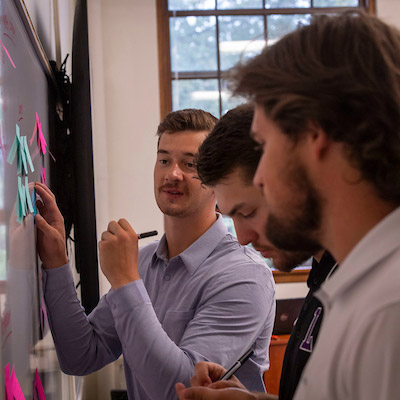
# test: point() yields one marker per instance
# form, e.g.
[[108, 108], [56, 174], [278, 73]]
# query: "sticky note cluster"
[[13, 388], [20, 151]]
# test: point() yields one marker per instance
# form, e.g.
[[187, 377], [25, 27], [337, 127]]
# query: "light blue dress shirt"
[[210, 303]]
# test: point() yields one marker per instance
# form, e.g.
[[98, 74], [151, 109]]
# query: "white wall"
[[125, 112], [124, 66]]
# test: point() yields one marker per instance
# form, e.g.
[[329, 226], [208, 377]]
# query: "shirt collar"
[[199, 250], [377, 244]]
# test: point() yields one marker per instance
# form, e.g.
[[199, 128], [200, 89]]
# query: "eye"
[[162, 161], [191, 165], [250, 215], [259, 147]]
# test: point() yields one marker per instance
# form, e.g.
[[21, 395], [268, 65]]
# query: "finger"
[[179, 388], [113, 227], [107, 236], [41, 188], [225, 384], [201, 393], [126, 225], [207, 372], [42, 224], [40, 206], [47, 197]]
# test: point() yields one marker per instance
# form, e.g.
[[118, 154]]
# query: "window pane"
[[239, 38], [174, 5], [287, 3], [196, 93], [280, 25], [229, 102], [193, 44], [335, 3], [232, 4]]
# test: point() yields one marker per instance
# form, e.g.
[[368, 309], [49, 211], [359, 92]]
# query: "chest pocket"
[[175, 323]]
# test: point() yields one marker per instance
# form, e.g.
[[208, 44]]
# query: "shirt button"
[[167, 277]]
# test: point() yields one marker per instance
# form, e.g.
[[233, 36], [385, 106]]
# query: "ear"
[[318, 140]]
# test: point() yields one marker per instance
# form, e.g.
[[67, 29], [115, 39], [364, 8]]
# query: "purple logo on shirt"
[[307, 343]]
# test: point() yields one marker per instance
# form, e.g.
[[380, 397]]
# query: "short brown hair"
[[343, 74], [229, 147], [190, 119]]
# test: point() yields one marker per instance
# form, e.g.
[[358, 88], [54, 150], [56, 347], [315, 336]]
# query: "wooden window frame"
[[165, 75]]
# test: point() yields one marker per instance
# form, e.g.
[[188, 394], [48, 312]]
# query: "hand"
[[205, 385], [230, 391], [51, 231], [118, 251], [205, 373]]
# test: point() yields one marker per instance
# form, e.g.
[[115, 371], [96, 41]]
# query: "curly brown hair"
[[343, 74]]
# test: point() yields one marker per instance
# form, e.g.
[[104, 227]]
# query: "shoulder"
[[231, 259]]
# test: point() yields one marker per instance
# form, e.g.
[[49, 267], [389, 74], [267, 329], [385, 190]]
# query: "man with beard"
[[327, 117], [227, 161], [195, 295]]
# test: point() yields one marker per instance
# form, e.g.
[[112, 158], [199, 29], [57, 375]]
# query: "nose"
[[257, 179], [244, 234], [174, 173]]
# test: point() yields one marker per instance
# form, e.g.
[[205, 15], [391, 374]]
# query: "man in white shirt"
[[327, 116]]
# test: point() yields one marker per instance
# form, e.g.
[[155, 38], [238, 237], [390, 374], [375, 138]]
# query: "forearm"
[[155, 361], [84, 344]]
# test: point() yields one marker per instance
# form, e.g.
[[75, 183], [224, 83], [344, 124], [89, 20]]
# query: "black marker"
[[228, 374], [147, 234]]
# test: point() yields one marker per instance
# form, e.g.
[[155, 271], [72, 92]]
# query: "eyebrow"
[[188, 154], [235, 209]]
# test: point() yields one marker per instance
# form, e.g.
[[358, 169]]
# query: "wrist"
[[56, 263], [118, 283]]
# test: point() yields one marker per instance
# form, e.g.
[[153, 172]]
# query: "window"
[[199, 40]]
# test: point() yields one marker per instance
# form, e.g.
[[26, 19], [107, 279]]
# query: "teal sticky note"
[[28, 196], [23, 156], [34, 201], [19, 205], [22, 198], [27, 153], [14, 148]]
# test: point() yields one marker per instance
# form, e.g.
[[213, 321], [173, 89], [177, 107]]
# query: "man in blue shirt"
[[195, 295]]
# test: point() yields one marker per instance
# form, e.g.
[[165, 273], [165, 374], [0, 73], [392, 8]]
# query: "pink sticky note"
[[38, 387], [43, 176], [13, 389], [42, 140], [35, 129], [8, 54], [9, 392]]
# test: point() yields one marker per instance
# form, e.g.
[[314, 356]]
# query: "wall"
[[125, 111]]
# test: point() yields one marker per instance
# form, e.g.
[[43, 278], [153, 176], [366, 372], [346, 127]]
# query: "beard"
[[288, 260], [297, 231]]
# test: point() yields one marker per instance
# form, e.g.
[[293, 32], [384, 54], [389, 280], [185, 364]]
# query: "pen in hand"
[[147, 234], [229, 373]]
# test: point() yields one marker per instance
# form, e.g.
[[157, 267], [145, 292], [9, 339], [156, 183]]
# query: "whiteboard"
[[25, 89]]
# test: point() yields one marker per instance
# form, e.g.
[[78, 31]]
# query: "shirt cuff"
[[127, 297], [57, 278]]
